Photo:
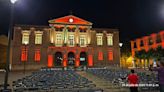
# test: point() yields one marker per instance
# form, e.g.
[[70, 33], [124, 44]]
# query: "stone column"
[[65, 35], [51, 36], [77, 60], [54, 35], [132, 48], [77, 35], [88, 38], [50, 61], [90, 60], [138, 43], [154, 38], [65, 61], [146, 43]]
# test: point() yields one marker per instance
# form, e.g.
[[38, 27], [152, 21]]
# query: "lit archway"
[[83, 59], [71, 59], [58, 59]]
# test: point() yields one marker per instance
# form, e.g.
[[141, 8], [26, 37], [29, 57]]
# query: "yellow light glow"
[[89, 39], [129, 62]]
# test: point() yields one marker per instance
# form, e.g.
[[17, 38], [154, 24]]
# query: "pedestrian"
[[133, 81], [160, 70]]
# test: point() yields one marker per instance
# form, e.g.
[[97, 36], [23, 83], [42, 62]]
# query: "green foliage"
[[151, 54], [159, 52], [125, 49]]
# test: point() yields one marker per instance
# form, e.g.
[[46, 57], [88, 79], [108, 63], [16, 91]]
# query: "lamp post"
[[26, 52], [9, 45], [121, 44]]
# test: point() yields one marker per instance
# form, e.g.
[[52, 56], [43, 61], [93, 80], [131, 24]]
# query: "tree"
[[155, 54], [158, 53], [143, 55]]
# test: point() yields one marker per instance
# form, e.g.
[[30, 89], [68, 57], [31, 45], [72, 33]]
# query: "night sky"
[[133, 18]]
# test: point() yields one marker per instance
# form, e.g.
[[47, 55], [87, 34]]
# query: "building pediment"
[[70, 19]]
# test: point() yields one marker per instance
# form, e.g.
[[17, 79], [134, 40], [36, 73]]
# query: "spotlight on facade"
[[13, 1], [25, 42]]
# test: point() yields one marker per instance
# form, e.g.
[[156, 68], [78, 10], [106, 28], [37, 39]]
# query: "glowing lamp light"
[[120, 44], [13, 1]]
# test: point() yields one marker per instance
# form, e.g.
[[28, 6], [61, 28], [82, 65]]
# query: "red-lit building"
[[146, 43], [67, 41]]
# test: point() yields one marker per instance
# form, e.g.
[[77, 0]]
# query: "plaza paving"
[[13, 76], [100, 83]]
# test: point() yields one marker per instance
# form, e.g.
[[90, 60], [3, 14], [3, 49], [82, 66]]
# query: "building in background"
[[67, 41], [3, 50], [148, 49]]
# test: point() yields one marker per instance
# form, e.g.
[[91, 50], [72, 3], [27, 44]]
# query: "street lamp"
[[121, 44], [26, 52], [9, 46], [13, 1]]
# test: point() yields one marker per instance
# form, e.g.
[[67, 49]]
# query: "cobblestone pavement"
[[13, 76], [101, 83], [106, 85]]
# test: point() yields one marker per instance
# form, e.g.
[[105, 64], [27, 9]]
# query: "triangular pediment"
[[70, 19]]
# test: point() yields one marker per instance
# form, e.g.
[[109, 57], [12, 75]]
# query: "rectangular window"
[[25, 38], [59, 39], [71, 40], [110, 39], [100, 55], [38, 38], [37, 55], [82, 40], [99, 40], [24, 55], [110, 55]]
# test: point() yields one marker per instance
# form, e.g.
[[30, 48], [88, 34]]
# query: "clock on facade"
[[70, 20]]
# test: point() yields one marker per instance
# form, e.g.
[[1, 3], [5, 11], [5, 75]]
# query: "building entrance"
[[58, 59], [83, 59], [71, 59]]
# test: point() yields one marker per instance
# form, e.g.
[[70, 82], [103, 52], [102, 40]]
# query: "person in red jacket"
[[133, 81]]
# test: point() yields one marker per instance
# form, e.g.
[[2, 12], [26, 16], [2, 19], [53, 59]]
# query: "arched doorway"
[[71, 59], [58, 59], [83, 59]]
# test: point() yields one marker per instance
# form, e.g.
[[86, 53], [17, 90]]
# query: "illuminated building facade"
[[67, 41], [147, 43]]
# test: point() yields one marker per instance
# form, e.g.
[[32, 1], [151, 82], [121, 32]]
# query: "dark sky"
[[133, 18]]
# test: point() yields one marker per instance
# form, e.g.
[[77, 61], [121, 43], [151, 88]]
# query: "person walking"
[[160, 70], [133, 81]]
